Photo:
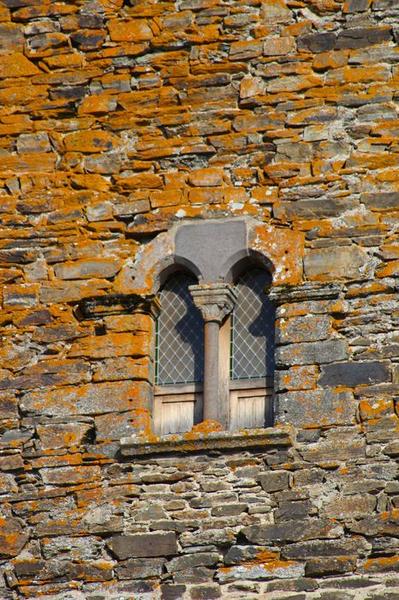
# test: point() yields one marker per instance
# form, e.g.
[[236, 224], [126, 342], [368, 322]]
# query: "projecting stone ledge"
[[217, 440]]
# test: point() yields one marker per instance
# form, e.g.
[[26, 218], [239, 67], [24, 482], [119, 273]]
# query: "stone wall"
[[118, 120]]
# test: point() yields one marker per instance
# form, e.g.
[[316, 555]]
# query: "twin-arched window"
[[248, 354]]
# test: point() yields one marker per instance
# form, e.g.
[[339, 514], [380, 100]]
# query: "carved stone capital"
[[215, 300]]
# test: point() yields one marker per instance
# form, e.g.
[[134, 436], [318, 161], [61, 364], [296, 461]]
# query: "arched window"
[[252, 332], [179, 336], [252, 352], [246, 362], [179, 358]]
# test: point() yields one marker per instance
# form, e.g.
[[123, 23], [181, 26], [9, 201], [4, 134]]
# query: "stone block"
[[355, 546], [279, 46], [20, 296], [16, 65], [91, 141], [325, 567], [317, 408], [381, 200], [63, 435], [352, 374], [312, 208], [229, 510], [361, 37], [300, 509], [289, 531], [337, 262], [142, 545], [111, 345], [206, 177], [89, 399], [116, 369], [296, 378], [189, 561], [274, 481], [317, 42], [13, 536], [205, 592], [70, 475], [354, 6], [303, 329], [172, 592], [72, 548], [312, 353], [133, 30], [277, 569], [275, 11], [87, 269], [11, 38], [136, 568], [336, 445], [33, 142], [355, 506], [113, 426]]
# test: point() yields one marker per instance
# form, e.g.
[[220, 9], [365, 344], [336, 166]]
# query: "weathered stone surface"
[[289, 531], [327, 264], [140, 568], [352, 374], [274, 481], [12, 537], [199, 559], [91, 399], [303, 329], [70, 475], [313, 352], [277, 570], [61, 435], [354, 506], [87, 269], [143, 545], [118, 121], [326, 548]]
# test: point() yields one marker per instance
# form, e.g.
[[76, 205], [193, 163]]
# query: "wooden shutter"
[[176, 408]]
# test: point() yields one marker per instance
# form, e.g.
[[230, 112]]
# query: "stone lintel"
[[215, 300], [191, 442], [304, 293], [117, 304]]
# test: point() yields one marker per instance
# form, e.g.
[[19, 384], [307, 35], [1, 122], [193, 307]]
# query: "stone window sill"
[[199, 441]]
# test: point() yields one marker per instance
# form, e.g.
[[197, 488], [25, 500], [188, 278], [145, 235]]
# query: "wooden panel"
[[177, 412], [249, 409]]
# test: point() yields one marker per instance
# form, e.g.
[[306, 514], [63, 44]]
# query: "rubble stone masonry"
[[119, 119]]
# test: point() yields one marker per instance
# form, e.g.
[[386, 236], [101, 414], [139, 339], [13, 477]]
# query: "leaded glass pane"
[[180, 334], [252, 328]]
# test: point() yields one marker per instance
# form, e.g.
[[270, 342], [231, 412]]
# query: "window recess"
[[214, 353]]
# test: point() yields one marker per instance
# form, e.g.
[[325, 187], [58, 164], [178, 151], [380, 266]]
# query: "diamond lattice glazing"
[[180, 337], [252, 328]]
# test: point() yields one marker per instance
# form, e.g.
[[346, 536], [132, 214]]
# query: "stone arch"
[[213, 250]]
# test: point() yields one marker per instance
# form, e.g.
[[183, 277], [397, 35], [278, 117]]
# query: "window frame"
[[233, 390]]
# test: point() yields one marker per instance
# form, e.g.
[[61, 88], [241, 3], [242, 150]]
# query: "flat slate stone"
[[142, 545], [352, 374]]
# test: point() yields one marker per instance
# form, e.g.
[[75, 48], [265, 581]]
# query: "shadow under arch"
[[242, 261], [172, 264], [179, 333]]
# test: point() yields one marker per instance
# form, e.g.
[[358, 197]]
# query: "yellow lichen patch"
[[285, 250], [91, 141], [207, 426]]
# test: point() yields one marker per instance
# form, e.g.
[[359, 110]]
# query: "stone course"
[[120, 119]]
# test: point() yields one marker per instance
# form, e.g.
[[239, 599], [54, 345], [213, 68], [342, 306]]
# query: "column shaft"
[[211, 371]]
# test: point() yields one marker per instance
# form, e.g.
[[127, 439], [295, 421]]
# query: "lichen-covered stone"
[[118, 121]]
